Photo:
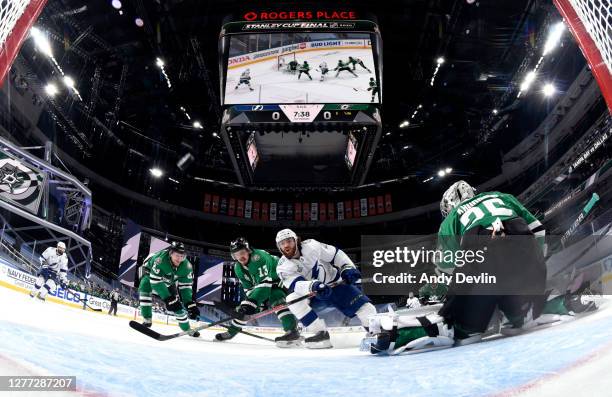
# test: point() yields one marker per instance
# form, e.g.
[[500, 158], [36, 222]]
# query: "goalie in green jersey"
[[510, 239], [256, 270], [161, 273]]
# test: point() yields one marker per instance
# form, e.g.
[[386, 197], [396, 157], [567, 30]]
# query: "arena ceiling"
[[129, 119]]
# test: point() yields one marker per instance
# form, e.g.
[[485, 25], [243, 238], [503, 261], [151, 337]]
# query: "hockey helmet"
[[239, 244], [455, 195], [61, 245], [177, 246]]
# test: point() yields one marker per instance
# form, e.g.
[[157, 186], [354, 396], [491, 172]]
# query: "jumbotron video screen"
[[288, 68]]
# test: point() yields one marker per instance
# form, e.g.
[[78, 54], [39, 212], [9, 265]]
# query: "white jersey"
[[246, 75], [54, 262], [413, 303], [316, 262], [323, 66]]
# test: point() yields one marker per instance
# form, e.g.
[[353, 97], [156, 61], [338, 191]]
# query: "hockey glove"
[[193, 310], [323, 290], [173, 304], [350, 275], [246, 308]]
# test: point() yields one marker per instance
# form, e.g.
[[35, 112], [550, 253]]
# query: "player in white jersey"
[[412, 302], [323, 69], [245, 78], [310, 266], [53, 269]]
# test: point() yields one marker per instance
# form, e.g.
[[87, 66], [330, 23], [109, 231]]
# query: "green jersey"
[[163, 274], [342, 65], [433, 290], [373, 85], [483, 210], [258, 276]]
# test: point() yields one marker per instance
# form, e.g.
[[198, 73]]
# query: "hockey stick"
[[250, 334], [156, 335]]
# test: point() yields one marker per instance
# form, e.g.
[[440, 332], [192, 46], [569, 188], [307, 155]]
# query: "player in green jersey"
[[256, 270], [374, 88], [343, 66], [161, 272], [511, 239]]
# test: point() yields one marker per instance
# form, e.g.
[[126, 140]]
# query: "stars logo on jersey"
[[256, 257]]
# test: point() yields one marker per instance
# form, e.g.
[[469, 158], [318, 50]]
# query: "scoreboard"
[[306, 113], [315, 77]]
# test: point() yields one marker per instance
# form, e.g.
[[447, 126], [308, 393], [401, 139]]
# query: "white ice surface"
[[109, 358], [273, 86]]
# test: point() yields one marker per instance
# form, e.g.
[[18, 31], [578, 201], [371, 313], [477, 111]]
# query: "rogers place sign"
[[289, 15]]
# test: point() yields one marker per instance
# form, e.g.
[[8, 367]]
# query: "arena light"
[[549, 90], [156, 172], [160, 64], [215, 135], [441, 173], [69, 81], [116, 4], [439, 63], [448, 170], [197, 124], [51, 89], [554, 37], [41, 41], [139, 22], [495, 111], [404, 124], [528, 80]]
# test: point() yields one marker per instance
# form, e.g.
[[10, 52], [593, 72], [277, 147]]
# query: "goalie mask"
[[455, 195]]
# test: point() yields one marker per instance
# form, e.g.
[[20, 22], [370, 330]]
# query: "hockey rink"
[[271, 85], [110, 359]]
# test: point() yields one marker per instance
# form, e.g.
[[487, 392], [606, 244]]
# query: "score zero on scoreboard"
[[300, 113]]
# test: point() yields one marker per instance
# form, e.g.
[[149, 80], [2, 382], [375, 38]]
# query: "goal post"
[[16, 19], [590, 21], [284, 59]]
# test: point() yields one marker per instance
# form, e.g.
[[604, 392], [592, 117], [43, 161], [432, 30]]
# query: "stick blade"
[[146, 330]]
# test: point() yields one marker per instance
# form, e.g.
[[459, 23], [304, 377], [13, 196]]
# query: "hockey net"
[[591, 24], [16, 18], [283, 60]]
